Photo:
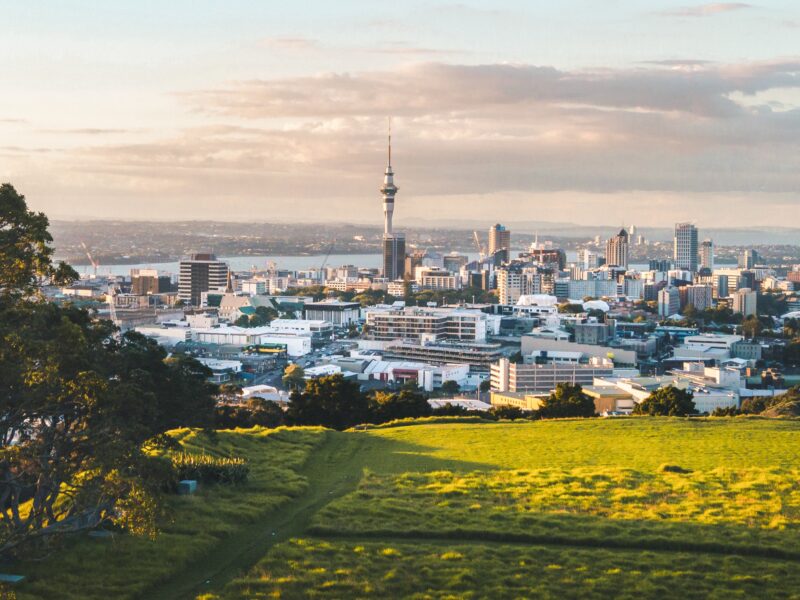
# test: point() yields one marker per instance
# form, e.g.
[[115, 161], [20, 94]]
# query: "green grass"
[[754, 511], [126, 566], [453, 508], [641, 444], [314, 568]]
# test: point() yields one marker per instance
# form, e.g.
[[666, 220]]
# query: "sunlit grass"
[[125, 566], [753, 509], [314, 568]]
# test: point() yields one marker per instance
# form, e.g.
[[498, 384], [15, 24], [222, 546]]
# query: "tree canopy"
[[567, 400], [667, 401], [77, 400]]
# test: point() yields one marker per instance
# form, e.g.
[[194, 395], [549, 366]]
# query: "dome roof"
[[596, 305]]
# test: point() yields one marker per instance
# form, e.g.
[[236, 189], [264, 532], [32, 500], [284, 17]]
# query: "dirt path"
[[333, 469]]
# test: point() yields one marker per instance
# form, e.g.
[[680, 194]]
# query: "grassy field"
[[584, 508], [645, 508], [313, 568], [128, 567]]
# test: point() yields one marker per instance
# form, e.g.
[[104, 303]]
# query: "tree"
[[567, 400], [485, 386], [450, 387], [667, 401], [751, 327], [230, 392], [78, 401], [407, 403], [331, 401], [510, 413], [294, 377], [255, 412], [78, 405], [25, 251]]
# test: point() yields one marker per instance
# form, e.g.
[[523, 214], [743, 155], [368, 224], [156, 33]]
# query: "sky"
[[584, 111]]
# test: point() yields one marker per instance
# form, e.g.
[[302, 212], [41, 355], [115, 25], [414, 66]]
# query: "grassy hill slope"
[[575, 508]]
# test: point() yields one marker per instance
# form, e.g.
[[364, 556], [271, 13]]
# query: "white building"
[[296, 345]]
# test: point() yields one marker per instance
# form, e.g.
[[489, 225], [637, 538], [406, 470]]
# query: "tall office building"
[[707, 255], [685, 247], [394, 244], [749, 259], [201, 273], [147, 281], [618, 250], [500, 240]]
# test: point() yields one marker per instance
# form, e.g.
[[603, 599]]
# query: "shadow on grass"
[[391, 456]]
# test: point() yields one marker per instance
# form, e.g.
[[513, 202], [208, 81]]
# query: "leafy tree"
[[510, 413], [567, 400], [77, 401], [667, 401], [230, 392], [331, 401], [485, 386], [256, 411], [407, 403], [570, 308], [294, 377], [450, 387], [25, 251], [751, 327]]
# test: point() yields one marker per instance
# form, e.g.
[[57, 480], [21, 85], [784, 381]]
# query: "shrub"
[[210, 469], [673, 469]]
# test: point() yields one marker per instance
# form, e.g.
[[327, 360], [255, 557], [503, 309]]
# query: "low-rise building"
[[517, 377], [340, 313]]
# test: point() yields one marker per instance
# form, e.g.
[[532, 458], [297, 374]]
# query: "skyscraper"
[[394, 244], [685, 247], [200, 273], [618, 250], [707, 255], [499, 238]]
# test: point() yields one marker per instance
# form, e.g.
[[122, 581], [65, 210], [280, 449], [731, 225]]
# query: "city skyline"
[[700, 125]]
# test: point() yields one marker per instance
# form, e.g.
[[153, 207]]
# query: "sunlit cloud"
[[706, 10]]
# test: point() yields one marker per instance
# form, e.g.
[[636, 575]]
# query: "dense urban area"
[[162, 406]]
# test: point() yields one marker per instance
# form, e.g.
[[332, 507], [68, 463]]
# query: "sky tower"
[[388, 190], [394, 244]]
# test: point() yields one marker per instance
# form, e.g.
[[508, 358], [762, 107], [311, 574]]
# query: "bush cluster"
[[210, 469]]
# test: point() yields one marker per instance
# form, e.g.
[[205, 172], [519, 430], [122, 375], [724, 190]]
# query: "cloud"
[[302, 44], [87, 131], [482, 134], [306, 45], [436, 88], [706, 10]]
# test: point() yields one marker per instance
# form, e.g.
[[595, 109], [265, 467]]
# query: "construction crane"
[[481, 251], [92, 261], [327, 256]]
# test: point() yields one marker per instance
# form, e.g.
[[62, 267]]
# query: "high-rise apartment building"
[[618, 250], [748, 259], [515, 280], [685, 247], [744, 302], [394, 244], [500, 240], [669, 302], [707, 255], [201, 273]]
